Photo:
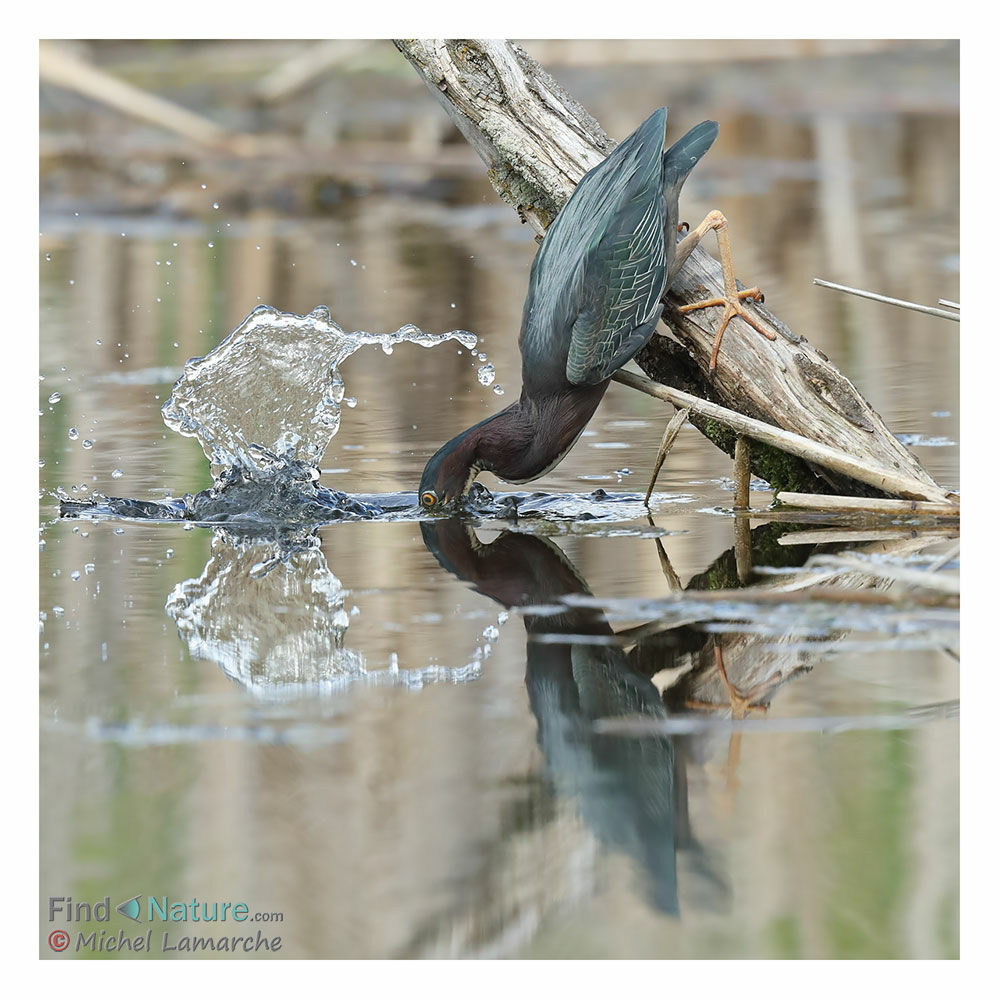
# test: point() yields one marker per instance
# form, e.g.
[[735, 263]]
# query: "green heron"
[[594, 299]]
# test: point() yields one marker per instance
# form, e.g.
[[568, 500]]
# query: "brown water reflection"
[[384, 820]]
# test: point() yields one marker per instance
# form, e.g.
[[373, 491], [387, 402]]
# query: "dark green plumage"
[[603, 266]]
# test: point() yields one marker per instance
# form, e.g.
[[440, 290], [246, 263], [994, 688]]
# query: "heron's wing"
[[620, 288], [601, 270]]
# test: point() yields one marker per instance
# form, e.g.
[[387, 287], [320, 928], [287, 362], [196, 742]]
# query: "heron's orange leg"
[[732, 299], [739, 703]]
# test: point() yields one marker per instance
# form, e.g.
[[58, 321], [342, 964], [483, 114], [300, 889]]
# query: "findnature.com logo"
[[179, 938]]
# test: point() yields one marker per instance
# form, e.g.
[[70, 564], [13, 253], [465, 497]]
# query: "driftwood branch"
[[537, 143], [802, 447], [858, 504], [900, 302]]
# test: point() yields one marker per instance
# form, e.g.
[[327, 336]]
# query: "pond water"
[[392, 732]]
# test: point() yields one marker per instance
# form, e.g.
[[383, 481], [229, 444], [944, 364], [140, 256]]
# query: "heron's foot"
[[732, 298], [733, 307]]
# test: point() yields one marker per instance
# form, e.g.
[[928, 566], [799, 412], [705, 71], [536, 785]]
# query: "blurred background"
[[183, 183]]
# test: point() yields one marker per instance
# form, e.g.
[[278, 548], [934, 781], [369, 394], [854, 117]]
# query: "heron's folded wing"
[[620, 291]]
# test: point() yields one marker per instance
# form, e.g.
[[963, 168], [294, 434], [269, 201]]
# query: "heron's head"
[[449, 473]]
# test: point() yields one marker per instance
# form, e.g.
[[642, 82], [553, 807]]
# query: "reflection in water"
[[700, 661], [631, 792], [272, 615]]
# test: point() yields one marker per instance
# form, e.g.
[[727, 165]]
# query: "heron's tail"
[[683, 155]]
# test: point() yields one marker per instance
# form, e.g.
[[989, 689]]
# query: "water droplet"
[[119, 530], [73, 434], [54, 398], [88, 444], [498, 389], [215, 205], [89, 568], [169, 553], [99, 342], [117, 473], [41, 462], [486, 374], [75, 575]]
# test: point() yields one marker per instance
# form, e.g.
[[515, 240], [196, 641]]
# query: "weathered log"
[[537, 143], [784, 442]]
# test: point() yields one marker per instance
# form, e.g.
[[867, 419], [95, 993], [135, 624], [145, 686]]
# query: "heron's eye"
[[428, 498]]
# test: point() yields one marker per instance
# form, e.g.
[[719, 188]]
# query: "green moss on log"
[[723, 573], [783, 471]]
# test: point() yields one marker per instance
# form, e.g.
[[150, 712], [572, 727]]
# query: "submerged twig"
[[639, 725], [741, 473], [874, 296], [669, 437]]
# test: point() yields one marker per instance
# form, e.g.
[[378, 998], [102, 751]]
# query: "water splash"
[[265, 404], [271, 392]]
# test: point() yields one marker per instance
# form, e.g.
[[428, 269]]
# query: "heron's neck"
[[529, 438]]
